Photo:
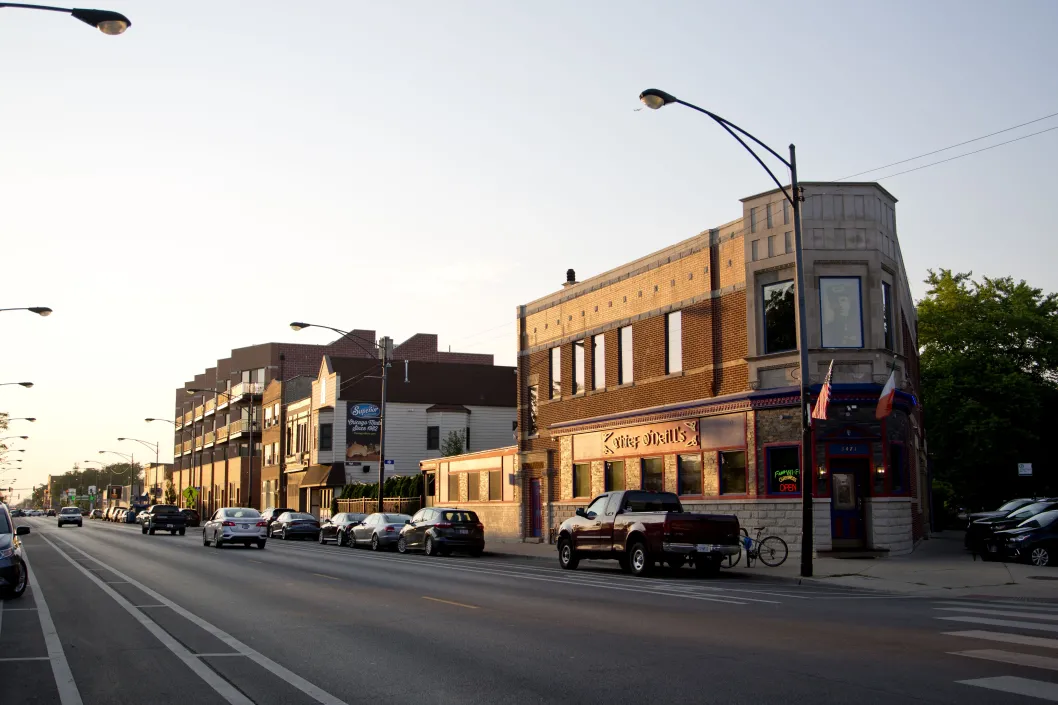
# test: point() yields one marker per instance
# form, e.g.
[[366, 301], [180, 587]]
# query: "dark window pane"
[[733, 472], [689, 474], [473, 486], [654, 474], [495, 485], [581, 480], [896, 468], [887, 315], [615, 475], [780, 329], [784, 473], [453, 487], [326, 436], [433, 438]]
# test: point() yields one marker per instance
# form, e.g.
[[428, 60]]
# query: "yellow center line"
[[329, 577], [449, 602]]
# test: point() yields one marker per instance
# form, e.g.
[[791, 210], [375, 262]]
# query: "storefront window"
[[654, 474], [581, 480], [453, 487], [784, 470], [473, 486], [733, 472], [615, 475], [689, 474], [897, 474], [495, 485]]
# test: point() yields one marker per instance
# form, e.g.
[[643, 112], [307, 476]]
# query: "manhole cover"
[[1043, 577]]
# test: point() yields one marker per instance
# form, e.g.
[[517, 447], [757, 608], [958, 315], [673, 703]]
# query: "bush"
[[399, 486]]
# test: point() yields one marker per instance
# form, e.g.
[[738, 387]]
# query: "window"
[[473, 486], [839, 301], [326, 436], [578, 367], [431, 484], [453, 487], [614, 476], [433, 438], [753, 220], [556, 373], [733, 472], [598, 506], [673, 342], [887, 315], [784, 470], [788, 237], [780, 317], [754, 250], [768, 211], [654, 474], [495, 485], [598, 362], [771, 245], [533, 395], [466, 439], [624, 356], [642, 502], [897, 476], [786, 213], [689, 474], [581, 479]]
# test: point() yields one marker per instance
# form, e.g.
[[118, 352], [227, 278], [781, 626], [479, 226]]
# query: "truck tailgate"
[[702, 529]]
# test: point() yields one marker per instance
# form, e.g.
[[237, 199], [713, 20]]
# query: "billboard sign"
[[114, 492], [1024, 469], [363, 431]]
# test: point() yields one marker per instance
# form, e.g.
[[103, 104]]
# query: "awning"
[[324, 476]]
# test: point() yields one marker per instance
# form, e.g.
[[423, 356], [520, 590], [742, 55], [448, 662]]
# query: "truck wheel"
[[567, 557], [639, 561], [182, 531], [150, 531], [143, 529], [707, 567]]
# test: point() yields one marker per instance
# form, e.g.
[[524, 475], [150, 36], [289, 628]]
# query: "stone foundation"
[[889, 524]]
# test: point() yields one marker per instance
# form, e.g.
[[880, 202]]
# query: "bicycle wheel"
[[732, 560], [772, 551]]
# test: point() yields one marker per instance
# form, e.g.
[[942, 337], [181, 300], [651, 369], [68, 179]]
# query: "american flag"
[[820, 409]]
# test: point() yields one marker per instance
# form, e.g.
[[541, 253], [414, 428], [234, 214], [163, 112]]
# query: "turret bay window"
[[732, 472], [780, 317], [654, 474], [839, 303]]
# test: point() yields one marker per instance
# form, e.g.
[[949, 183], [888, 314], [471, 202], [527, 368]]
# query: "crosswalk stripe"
[[1001, 613], [1004, 604], [1003, 623], [1018, 686], [1007, 638], [1018, 659]]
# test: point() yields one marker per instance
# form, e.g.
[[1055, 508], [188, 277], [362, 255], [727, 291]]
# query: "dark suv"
[[14, 576], [439, 531], [69, 515], [163, 517]]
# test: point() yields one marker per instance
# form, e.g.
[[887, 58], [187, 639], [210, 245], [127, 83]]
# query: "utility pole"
[[385, 347]]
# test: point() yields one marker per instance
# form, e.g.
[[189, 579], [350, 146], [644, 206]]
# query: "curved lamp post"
[[105, 21], [7, 437], [27, 385], [132, 466], [384, 350], [39, 310], [148, 420], [655, 99], [31, 419]]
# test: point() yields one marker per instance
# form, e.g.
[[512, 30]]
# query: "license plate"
[[462, 531], [992, 549], [244, 526], [168, 526], [702, 548]]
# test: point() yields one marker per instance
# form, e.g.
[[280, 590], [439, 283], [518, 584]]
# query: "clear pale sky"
[[224, 168]]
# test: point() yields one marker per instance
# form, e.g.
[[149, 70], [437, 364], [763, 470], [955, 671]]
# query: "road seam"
[[223, 687], [449, 602], [60, 667]]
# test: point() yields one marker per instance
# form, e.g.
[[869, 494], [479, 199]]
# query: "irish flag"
[[885, 401]]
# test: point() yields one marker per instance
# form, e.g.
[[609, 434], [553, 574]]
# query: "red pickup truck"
[[639, 529]]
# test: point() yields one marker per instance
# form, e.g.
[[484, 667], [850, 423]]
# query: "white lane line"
[[149, 605], [1018, 686], [268, 664], [1001, 613], [1003, 623], [1013, 657], [21, 609], [1006, 638], [60, 668], [225, 689], [227, 653], [27, 658], [1009, 604]]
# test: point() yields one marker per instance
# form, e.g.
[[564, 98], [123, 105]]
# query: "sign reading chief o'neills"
[[650, 439], [363, 431]]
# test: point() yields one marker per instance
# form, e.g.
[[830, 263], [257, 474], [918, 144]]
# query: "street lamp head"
[[654, 99], [121, 439], [31, 419], [40, 310], [105, 21], [27, 385], [298, 325]]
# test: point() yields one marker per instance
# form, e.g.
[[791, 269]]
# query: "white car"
[[235, 525], [69, 515]]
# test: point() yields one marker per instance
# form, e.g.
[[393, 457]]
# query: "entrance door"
[[535, 509], [848, 479]]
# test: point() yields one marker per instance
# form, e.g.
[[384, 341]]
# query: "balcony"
[[188, 418], [198, 413], [301, 458], [241, 426], [198, 443], [179, 422], [222, 434], [246, 388], [211, 406], [187, 447], [209, 439], [178, 448]]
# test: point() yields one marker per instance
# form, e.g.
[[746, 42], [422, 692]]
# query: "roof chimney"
[[571, 278]]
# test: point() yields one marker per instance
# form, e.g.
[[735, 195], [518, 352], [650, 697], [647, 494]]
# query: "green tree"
[[452, 444], [170, 492], [989, 364]]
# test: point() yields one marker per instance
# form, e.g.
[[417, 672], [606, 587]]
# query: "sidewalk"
[[937, 567]]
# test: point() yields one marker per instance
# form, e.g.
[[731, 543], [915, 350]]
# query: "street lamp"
[[104, 466], [27, 385], [7, 437], [149, 445], [385, 349], [105, 21], [655, 99], [31, 419], [132, 466], [165, 420]]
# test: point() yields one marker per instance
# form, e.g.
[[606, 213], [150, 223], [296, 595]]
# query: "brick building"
[[679, 372]]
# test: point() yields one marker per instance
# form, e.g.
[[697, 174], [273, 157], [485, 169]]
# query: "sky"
[[224, 168]]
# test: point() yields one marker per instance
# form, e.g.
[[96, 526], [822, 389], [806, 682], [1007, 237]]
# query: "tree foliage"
[[170, 492], [989, 364], [452, 444], [397, 486]]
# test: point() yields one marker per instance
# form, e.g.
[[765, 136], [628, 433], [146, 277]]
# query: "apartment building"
[[155, 477], [679, 372], [218, 445]]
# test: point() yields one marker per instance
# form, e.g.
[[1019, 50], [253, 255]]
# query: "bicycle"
[[771, 550]]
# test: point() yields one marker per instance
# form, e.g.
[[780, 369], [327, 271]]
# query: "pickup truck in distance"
[[638, 529], [163, 517]]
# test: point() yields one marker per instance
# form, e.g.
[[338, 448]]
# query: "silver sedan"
[[235, 525], [380, 530]]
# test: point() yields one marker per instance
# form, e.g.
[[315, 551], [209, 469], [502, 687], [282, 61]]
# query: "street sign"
[[91, 489], [1024, 469]]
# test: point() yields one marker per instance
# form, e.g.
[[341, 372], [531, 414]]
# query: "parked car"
[[51, 512], [1003, 509], [235, 525], [191, 517], [17, 513], [112, 513], [162, 517], [638, 528], [983, 529], [379, 530], [272, 513], [337, 528], [96, 514], [69, 515], [1034, 540], [440, 530], [14, 575], [295, 525]]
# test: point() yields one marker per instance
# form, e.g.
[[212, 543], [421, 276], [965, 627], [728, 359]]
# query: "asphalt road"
[[113, 616]]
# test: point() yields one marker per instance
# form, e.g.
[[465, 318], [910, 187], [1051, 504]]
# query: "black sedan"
[[982, 529], [1004, 509], [379, 531], [272, 513], [295, 525], [338, 527], [439, 531], [14, 576], [191, 517], [1034, 540]]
